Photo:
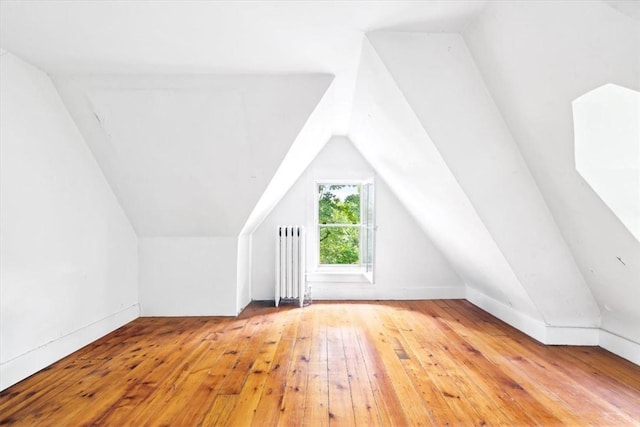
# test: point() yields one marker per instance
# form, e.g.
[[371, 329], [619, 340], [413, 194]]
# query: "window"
[[345, 228]]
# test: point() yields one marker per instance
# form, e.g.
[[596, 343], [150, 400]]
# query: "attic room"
[[463, 179]]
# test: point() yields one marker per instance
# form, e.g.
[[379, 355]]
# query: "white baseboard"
[[530, 326], [366, 291], [26, 364], [621, 346], [535, 328], [553, 335]]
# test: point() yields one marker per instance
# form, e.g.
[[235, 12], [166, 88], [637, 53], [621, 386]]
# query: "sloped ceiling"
[[229, 37], [173, 99], [190, 156], [195, 110], [438, 78], [390, 136], [306, 146], [536, 59]]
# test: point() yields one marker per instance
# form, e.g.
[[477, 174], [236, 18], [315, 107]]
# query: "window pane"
[[338, 204], [339, 245]]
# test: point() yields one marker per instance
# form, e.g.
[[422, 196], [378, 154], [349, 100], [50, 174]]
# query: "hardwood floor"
[[376, 363]]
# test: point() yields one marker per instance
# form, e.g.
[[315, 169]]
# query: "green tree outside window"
[[339, 223]]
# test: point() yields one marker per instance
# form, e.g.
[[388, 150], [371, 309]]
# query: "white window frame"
[[348, 272], [369, 227]]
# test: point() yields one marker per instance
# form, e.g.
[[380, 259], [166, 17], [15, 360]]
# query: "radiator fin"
[[291, 283]]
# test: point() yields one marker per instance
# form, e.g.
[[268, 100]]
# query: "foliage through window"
[[339, 223], [345, 224]]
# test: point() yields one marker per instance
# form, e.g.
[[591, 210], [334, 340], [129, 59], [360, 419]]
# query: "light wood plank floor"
[[376, 363]]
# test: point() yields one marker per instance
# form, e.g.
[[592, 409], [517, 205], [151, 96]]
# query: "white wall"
[[245, 241], [606, 126], [205, 155], [307, 144], [312, 137], [191, 155], [68, 255], [188, 276], [445, 90], [407, 264], [536, 58], [389, 135]]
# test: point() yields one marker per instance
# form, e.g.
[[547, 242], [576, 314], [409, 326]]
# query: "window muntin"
[[345, 226], [339, 216]]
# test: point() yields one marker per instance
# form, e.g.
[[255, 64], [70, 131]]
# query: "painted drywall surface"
[[407, 263], [190, 155], [314, 134], [390, 136], [216, 36], [243, 292], [441, 83], [195, 156], [188, 276], [68, 252], [306, 146], [606, 125], [536, 58]]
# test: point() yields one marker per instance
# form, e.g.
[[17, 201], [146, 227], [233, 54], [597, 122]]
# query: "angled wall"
[[407, 264], [312, 137], [442, 85], [387, 132], [190, 155], [537, 58], [68, 256], [195, 159]]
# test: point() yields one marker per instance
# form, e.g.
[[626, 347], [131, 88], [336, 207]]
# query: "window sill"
[[339, 276]]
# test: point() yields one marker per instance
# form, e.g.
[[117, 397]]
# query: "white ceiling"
[[630, 8], [157, 89], [170, 37], [190, 155]]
